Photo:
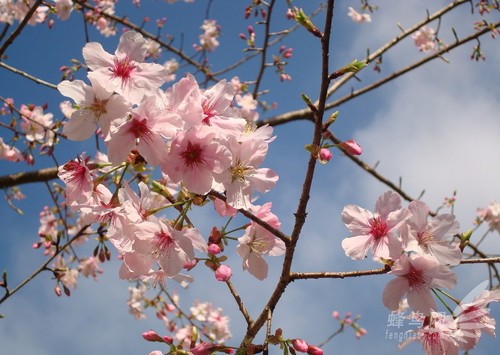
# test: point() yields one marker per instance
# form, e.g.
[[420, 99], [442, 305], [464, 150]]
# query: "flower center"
[[139, 128], [192, 155], [416, 279], [378, 228], [238, 173], [122, 68], [161, 242]]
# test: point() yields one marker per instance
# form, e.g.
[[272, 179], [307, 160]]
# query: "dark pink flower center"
[[193, 155], [162, 242], [123, 68], [379, 228], [208, 113], [416, 278], [139, 128], [78, 172]]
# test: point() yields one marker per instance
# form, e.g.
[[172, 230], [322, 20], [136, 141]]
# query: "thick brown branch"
[[28, 177], [301, 212]]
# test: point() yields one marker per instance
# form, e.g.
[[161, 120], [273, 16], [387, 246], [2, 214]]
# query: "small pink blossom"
[[375, 231], [63, 8], [416, 275], [431, 236], [209, 38], [35, 123], [490, 215], [195, 158], [78, 179], [96, 106], [258, 241], [125, 72], [425, 39], [244, 176], [475, 317], [146, 130], [357, 17], [441, 336], [90, 267], [10, 153]]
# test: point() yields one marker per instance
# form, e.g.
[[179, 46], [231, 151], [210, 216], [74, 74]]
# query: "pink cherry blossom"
[[431, 236], [209, 38], [490, 215], [145, 131], [78, 179], [218, 112], [96, 105], [425, 39], [184, 98], [158, 242], [416, 275], [440, 336], [90, 267], [258, 241], [195, 157], [475, 318], [124, 72], [243, 176], [375, 231], [63, 8], [357, 17], [10, 153], [35, 123]]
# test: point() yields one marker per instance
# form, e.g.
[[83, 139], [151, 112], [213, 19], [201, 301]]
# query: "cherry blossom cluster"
[[490, 215], [359, 17], [203, 319], [31, 122], [425, 39], [196, 138], [420, 251], [209, 38]]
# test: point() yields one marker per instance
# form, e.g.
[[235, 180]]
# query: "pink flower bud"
[[58, 291], [168, 340], [151, 335], [300, 345], [324, 155], [214, 249], [223, 273], [314, 350], [336, 314], [351, 147]]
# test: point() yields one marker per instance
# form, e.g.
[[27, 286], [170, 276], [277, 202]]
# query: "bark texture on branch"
[[27, 177]]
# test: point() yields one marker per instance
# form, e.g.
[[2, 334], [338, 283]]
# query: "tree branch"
[[26, 177]]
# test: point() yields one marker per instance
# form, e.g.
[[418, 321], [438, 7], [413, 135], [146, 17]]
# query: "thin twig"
[[28, 76]]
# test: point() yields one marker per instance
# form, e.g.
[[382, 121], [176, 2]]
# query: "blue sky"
[[437, 128]]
